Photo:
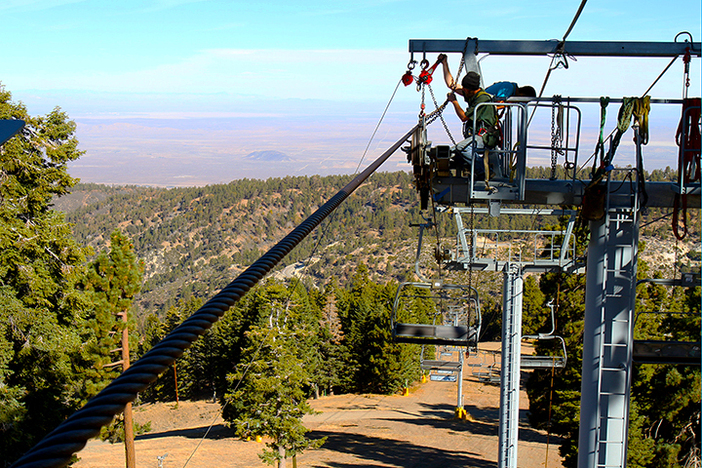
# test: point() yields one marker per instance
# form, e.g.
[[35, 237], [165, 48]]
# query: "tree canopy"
[[43, 314]]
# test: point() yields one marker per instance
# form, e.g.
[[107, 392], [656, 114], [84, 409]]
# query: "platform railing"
[[490, 249]]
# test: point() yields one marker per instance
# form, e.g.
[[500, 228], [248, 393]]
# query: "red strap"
[[688, 139]]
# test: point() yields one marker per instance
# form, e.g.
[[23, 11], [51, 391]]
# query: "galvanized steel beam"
[[575, 48]]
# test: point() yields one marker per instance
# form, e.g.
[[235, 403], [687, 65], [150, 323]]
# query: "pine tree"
[[536, 315], [330, 339], [43, 312], [112, 280], [268, 396], [662, 432], [228, 336], [665, 432], [375, 363], [176, 381]]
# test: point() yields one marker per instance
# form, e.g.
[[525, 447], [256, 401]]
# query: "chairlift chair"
[[487, 372], [545, 361], [455, 334], [436, 364], [659, 351]]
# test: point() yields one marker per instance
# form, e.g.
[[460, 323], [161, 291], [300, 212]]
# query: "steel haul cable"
[[560, 51], [292, 289], [57, 448]]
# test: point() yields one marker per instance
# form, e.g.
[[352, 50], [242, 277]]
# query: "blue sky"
[[216, 80]]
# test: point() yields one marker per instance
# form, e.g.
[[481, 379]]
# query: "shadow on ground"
[[486, 422], [218, 431], [394, 452]]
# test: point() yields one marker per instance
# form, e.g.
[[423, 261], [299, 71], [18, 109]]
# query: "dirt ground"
[[417, 430]]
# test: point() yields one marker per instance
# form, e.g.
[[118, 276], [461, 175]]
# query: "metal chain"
[[422, 114], [461, 64], [437, 113], [437, 254], [439, 110], [554, 155], [463, 58], [556, 135], [431, 117]]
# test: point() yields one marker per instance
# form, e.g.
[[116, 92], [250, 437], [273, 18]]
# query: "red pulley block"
[[407, 78], [426, 76]]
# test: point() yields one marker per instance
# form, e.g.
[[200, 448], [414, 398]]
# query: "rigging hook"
[[424, 63]]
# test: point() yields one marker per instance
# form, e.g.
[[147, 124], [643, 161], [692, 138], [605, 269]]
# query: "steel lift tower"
[[611, 257]]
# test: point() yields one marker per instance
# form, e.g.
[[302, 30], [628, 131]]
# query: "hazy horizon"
[[178, 92], [199, 151]]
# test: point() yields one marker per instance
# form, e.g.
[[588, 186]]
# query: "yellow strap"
[[642, 107]]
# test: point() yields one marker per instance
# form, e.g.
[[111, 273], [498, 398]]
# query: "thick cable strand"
[[292, 289], [57, 448], [575, 20], [159, 358], [560, 49]]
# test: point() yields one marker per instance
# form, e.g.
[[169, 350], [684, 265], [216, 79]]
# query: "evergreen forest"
[[76, 258]]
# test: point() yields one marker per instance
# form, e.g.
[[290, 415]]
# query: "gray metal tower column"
[[608, 339], [510, 373], [459, 403]]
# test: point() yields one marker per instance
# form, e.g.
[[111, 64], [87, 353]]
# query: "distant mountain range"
[[270, 155]]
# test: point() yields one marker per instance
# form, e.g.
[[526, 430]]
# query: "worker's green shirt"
[[486, 116]]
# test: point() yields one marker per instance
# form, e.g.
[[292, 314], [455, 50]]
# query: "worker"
[[480, 135], [503, 90]]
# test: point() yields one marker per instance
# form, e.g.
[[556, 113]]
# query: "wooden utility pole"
[[175, 380], [130, 455]]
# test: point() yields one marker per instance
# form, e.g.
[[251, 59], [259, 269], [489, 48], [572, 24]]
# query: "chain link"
[[556, 135], [439, 111], [422, 114], [463, 60]]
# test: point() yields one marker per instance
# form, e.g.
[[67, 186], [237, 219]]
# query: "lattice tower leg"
[[509, 378], [608, 340]]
